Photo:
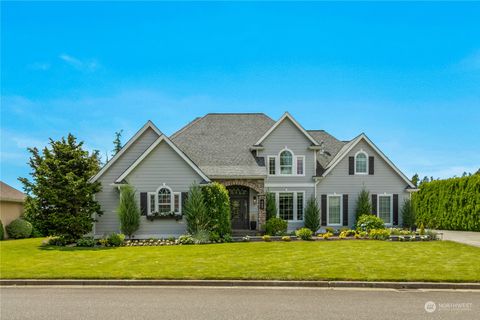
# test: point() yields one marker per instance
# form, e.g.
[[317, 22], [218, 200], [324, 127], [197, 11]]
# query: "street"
[[234, 303]]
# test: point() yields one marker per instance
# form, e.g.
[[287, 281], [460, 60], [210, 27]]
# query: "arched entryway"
[[239, 207]]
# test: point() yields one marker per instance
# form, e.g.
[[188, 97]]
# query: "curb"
[[243, 283]]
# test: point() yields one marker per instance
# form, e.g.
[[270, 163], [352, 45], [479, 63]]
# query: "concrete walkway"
[[466, 237]]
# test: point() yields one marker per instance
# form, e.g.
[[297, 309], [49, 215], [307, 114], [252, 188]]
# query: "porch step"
[[242, 233]]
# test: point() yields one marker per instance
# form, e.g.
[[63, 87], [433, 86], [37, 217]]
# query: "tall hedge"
[[451, 204], [217, 202]]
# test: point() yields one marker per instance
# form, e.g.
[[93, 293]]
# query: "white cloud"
[[81, 65]]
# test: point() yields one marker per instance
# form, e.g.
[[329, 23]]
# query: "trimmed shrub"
[[286, 238], [115, 239], [304, 233], [451, 204], [195, 211], [19, 229], [368, 222], [408, 214], [363, 204], [128, 211], [312, 215], [201, 237], [379, 234], [217, 204], [267, 238], [86, 242], [271, 206], [327, 235], [215, 237], [186, 239], [59, 241], [276, 227], [2, 235]]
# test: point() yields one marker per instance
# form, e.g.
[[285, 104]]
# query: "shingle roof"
[[8, 193], [219, 143]]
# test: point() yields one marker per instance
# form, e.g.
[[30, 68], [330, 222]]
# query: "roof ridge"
[[185, 127]]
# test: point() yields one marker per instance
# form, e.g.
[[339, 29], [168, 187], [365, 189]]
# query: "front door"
[[239, 206]]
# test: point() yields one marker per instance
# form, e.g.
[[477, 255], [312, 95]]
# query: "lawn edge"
[[243, 283]]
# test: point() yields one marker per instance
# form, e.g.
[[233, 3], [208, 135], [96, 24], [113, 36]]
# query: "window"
[[164, 200], [300, 162], [299, 206], [385, 208], [271, 165], [286, 162], [334, 210], [177, 200], [361, 163], [285, 205], [152, 206]]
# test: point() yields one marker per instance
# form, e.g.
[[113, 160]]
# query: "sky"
[[406, 74]]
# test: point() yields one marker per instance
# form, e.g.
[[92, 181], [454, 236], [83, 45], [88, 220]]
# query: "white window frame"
[[280, 160], [341, 209], [149, 202], [391, 207], [295, 207], [179, 194], [366, 163], [268, 165], [296, 166], [171, 196]]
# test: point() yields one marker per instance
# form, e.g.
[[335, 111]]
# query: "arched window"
[[164, 200], [286, 162], [361, 162]]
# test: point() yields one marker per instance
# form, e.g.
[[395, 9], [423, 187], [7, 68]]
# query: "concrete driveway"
[[466, 237], [234, 303]]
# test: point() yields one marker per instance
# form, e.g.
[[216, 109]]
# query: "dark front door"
[[239, 206]]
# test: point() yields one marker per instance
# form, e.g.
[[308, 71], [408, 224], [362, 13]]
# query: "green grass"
[[319, 260]]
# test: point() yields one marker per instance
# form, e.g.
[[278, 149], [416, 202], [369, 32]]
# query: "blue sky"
[[406, 74]]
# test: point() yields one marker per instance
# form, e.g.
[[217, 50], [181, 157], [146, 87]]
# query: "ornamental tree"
[[128, 211], [60, 198], [312, 215], [363, 204]]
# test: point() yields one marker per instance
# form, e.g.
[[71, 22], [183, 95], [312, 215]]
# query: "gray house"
[[250, 154]]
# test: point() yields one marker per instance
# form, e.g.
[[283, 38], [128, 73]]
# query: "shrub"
[[59, 241], [115, 239], [276, 227], [327, 235], [201, 237], [271, 206], [86, 242], [363, 205], [267, 238], [304, 233], [128, 211], [408, 214], [368, 222], [227, 238], [186, 239], [350, 233], [19, 229], [312, 215], [195, 210], [215, 237], [343, 235], [1, 231], [286, 238], [379, 234], [217, 203], [330, 230], [422, 229]]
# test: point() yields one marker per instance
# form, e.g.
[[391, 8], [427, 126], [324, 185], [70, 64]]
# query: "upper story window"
[[272, 163], [361, 163], [286, 162], [300, 160]]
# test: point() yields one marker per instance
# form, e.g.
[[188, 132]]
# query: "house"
[[11, 204], [250, 154]]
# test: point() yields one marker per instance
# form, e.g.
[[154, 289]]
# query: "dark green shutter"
[[395, 209], [345, 209], [374, 204], [143, 203], [351, 164], [324, 209], [371, 165]]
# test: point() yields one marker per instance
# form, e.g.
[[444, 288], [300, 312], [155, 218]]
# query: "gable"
[[286, 134]]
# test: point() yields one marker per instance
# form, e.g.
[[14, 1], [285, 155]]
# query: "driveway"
[[234, 303], [466, 237]]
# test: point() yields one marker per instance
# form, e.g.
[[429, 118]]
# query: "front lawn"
[[319, 260]]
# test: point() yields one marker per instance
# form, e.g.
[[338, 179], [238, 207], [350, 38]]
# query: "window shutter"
[[395, 209], [345, 209], [374, 204], [351, 164], [324, 210], [184, 200], [371, 165], [143, 203]]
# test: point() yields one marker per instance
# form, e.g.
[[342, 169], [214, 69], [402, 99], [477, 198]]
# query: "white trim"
[[179, 194], [296, 206], [268, 165], [279, 167], [285, 116], [149, 202], [296, 166], [295, 214], [352, 144], [147, 125], [151, 148], [355, 163], [164, 186], [290, 185], [328, 209], [391, 207]]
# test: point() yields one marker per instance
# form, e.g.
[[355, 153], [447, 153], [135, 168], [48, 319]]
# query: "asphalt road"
[[233, 303]]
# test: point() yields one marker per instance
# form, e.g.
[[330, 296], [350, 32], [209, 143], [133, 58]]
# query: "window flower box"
[[164, 215]]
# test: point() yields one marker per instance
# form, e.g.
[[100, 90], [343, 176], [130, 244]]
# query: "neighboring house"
[[11, 204], [250, 154]]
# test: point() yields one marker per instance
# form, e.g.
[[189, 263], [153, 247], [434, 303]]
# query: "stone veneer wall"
[[255, 184]]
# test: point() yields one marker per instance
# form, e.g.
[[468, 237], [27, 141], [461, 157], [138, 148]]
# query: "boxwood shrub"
[[19, 229], [276, 227]]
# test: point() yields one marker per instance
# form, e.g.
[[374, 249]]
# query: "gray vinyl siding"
[[162, 166], [109, 196], [294, 225], [384, 180], [288, 135]]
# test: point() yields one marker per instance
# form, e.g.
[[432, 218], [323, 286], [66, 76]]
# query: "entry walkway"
[[466, 237]]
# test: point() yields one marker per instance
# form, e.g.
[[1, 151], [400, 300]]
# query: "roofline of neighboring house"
[[7, 199], [132, 140]]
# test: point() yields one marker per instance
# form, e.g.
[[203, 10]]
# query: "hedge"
[[451, 204]]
